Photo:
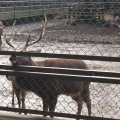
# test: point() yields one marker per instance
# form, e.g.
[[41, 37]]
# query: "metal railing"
[[63, 74], [21, 9]]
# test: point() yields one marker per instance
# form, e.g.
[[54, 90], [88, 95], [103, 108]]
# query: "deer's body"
[[67, 87], [49, 90], [60, 15]]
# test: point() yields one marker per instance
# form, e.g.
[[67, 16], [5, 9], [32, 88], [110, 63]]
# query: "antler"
[[42, 32], [10, 43]]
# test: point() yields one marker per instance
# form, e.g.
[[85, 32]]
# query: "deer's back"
[[63, 63], [46, 86]]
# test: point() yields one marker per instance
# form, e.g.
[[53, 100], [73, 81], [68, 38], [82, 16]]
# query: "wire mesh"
[[83, 27]]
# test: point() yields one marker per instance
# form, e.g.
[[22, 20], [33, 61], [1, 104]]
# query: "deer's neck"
[[32, 62]]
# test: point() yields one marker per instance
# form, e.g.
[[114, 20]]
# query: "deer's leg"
[[45, 105], [87, 100], [52, 104], [86, 97], [88, 103], [17, 93], [13, 97], [78, 98], [23, 95]]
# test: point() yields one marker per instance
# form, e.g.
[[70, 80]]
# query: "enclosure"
[[76, 29]]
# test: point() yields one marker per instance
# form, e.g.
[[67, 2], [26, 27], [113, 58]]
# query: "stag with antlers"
[[46, 88]]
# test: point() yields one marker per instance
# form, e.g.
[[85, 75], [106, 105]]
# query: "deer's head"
[[14, 59]]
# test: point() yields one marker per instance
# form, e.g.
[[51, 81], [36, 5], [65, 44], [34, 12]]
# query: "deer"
[[49, 89], [71, 21], [18, 91], [1, 32], [116, 13], [112, 19], [59, 16]]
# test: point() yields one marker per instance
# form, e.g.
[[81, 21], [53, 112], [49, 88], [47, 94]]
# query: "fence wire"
[[82, 27]]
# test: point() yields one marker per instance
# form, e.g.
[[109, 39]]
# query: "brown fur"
[[70, 22], [58, 17], [78, 96]]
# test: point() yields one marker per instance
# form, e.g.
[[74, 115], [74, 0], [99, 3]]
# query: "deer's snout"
[[13, 59]]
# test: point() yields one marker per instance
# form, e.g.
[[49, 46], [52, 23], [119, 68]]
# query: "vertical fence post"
[[106, 4], [42, 6], [30, 8], [14, 10]]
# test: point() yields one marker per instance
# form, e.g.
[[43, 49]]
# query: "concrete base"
[[16, 116]]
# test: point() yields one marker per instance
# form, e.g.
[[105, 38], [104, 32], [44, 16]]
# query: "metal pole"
[[106, 4]]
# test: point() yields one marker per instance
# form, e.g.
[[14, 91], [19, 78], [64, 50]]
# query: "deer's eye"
[[12, 58]]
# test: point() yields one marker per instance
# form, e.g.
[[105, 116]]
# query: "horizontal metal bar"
[[65, 115], [65, 56], [62, 76], [62, 70]]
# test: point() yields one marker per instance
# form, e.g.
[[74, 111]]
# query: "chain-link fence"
[[83, 27]]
